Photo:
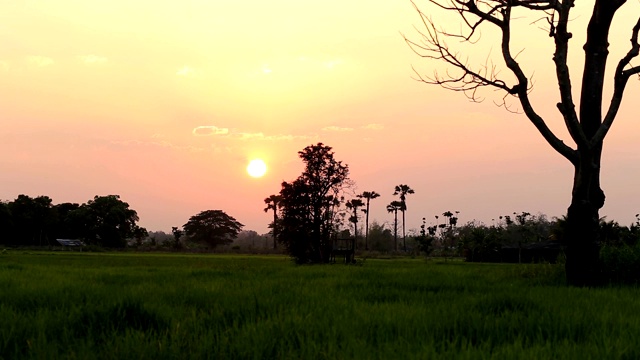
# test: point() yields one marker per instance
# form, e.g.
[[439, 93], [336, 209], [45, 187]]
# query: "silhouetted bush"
[[620, 264]]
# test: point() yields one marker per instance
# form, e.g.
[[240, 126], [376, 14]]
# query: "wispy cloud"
[[93, 59], [283, 137], [4, 66], [221, 150], [39, 61], [186, 71], [337, 128], [279, 137], [247, 136], [332, 63], [209, 130], [373, 127], [162, 144]]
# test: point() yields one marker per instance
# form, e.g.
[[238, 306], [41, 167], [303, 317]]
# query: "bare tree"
[[588, 125], [368, 195]]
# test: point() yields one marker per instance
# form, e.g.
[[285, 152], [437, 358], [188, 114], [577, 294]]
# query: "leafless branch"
[[566, 105], [620, 82], [522, 93], [468, 80]]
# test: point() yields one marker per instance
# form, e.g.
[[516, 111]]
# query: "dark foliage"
[[107, 221], [212, 227], [308, 205], [104, 221]]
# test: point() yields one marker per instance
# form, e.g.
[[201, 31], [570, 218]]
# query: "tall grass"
[[121, 306]]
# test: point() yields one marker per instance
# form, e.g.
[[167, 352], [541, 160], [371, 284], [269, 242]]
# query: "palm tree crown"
[[402, 190], [369, 195]]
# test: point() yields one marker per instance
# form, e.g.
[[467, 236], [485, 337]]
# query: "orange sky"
[[165, 102]]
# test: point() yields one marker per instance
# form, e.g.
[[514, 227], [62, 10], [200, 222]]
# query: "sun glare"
[[256, 168]]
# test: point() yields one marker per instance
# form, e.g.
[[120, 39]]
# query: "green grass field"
[[124, 306]]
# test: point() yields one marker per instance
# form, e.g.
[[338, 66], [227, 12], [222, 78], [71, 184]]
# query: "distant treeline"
[[35, 221], [520, 237]]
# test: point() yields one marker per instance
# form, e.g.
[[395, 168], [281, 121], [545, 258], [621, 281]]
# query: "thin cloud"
[[209, 131], [4, 66], [332, 63], [162, 144], [373, 127], [39, 61], [221, 150], [244, 136], [93, 59], [248, 136], [185, 71], [283, 137], [337, 128]]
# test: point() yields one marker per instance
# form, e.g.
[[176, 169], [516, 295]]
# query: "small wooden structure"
[[70, 243], [344, 248]]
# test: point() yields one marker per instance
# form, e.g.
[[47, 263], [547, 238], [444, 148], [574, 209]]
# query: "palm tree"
[[367, 195], [273, 203], [402, 190], [354, 204], [393, 207]]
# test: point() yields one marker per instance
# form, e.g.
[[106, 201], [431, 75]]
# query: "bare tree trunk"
[[395, 231], [366, 230], [587, 197], [355, 231], [582, 232], [404, 236], [275, 226]]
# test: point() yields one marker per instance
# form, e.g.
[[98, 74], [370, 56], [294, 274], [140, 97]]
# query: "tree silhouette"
[[393, 207], [353, 205], [369, 195], [273, 203], [308, 205], [177, 234], [213, 227], [587, 126], [33, 218], [402, 191], [107, 221]]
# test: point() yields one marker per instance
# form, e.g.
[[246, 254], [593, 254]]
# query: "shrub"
[[620, 264]]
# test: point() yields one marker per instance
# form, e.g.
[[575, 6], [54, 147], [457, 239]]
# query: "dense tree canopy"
[[104, 221], [32, 218], [212, 227], [107, 221], [308, 205]]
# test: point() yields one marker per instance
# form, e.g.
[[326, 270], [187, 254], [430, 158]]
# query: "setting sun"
[[256, 168]]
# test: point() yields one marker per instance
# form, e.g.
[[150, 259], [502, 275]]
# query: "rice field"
[[165, 306]]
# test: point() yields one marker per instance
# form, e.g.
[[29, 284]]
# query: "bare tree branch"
[[467, 80], [566, 106], [522, 92], [620, 82]]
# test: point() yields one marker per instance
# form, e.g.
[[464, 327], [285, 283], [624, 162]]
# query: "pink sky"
[[165, 103]]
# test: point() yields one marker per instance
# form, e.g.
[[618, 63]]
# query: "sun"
[[256, 168]]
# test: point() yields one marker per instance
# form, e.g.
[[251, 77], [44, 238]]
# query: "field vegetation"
[[166, 306]]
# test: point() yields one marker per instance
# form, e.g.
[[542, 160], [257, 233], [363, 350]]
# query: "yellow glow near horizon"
[[256, 168]]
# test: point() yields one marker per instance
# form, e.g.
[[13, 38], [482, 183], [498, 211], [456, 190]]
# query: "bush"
[[620, 264]]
